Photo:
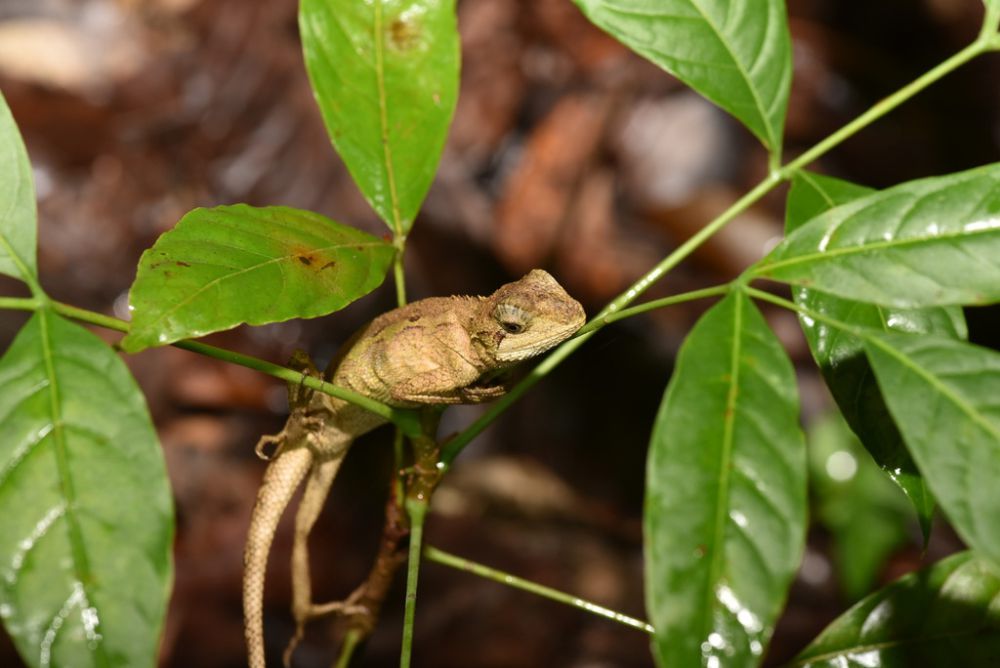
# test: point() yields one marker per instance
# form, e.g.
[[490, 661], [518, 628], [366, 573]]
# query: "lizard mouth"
[[525, 349]]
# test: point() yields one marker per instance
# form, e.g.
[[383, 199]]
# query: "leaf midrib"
[[215, 281], [390, 174], [78, 549], [819, 256], [722, 497], [932, 380]]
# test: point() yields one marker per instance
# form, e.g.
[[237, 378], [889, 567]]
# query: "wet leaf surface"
[[930, 242], [725, 493], [86, 517]]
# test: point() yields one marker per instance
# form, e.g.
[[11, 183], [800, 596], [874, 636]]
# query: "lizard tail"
[[280, 482]]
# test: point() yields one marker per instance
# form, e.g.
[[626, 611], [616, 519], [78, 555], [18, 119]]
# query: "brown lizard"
[[436, 351]]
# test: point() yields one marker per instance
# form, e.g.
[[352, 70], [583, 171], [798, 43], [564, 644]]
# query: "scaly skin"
[[437, 351]]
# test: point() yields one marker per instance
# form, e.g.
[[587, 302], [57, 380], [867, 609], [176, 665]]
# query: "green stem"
[[351, 642], [20, 303], [26, 275], [416, 509], [397, 458], [452, 447], [991, 24], [442, 557], [600, 321], [806, 311], [773, 179], [887, 104], [406, 420], [399, 276]]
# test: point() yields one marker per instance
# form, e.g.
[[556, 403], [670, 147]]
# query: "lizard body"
[[436, 351]]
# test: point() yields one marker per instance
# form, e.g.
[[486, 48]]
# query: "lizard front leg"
[[438, 388], [281, 479]]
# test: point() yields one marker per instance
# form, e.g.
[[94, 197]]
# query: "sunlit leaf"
[[945, 397], [237, 264], [736, 54], [86, 520], [924, 243], [385, 75], [840, 354], [18, 229], [941, 617], [725, 493]]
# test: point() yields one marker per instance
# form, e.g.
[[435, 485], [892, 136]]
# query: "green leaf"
[[940, 617], [945, 397], [18, 219], [736, 54], [725, 509], [930, 242], [237, 264], [813, 194], [865, 513], [840, 354], [86, 520], [385, 75]]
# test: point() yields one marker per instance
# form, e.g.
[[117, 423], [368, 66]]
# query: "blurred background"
[[567, 152]]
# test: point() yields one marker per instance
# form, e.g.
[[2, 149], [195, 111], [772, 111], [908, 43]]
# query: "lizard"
[[435, 351]]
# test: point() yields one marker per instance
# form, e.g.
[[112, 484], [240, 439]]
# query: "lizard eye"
[[511, 318], [512, 327]]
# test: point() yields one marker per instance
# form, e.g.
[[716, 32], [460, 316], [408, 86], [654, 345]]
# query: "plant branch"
[[600, 321], [406, 420], [771, 181], [442, 557], [26, 275], [991, 24], [398, 275], [805, 311], [455, 445], [417, 511], [426, 476], [351, 642], [887, 104]]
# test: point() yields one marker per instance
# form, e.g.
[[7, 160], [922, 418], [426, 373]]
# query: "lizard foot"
[[276, 440], [349, 606]]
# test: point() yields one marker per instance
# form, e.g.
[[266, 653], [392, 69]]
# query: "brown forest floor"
[[567, 152]]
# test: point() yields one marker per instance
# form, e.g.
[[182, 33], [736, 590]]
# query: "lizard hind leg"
[[281, 480], [313, 498]]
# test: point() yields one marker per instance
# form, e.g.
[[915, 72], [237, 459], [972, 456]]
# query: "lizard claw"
[[269, 439]]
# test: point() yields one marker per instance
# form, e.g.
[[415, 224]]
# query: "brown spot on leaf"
[[405, 33], [329, 264], [182, 264], [304, 254]]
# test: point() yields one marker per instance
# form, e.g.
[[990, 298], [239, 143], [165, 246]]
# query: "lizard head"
[[525, 318]]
